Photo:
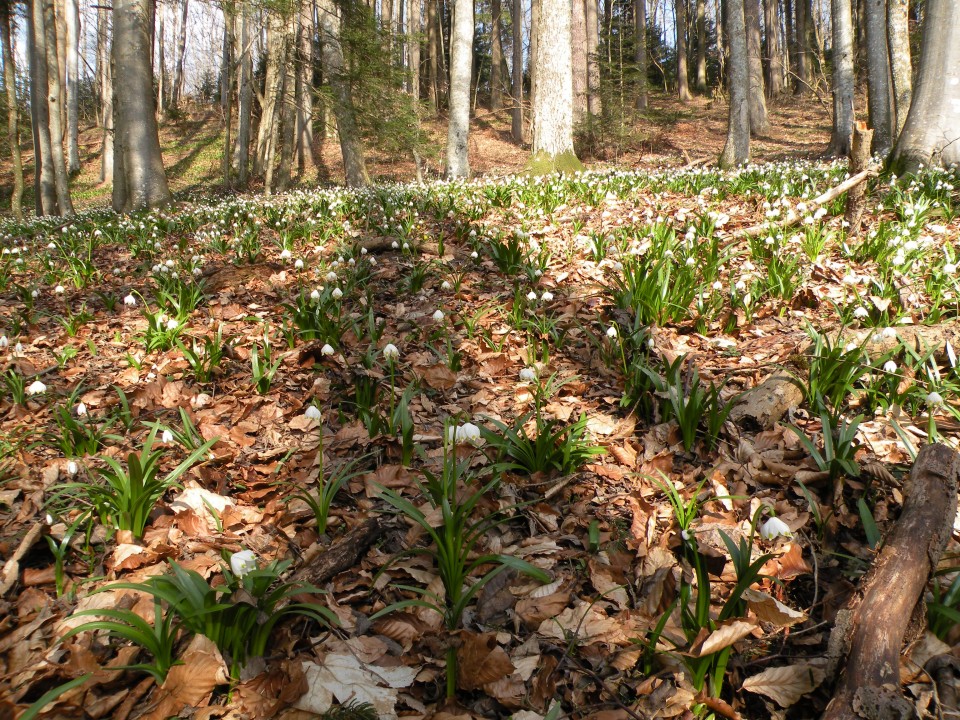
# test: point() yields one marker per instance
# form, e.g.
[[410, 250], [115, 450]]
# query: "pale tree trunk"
[[737, 149], [533, 54], [880, 99], [139, 181], [55, 102], [793, 47], [722, 49], [72, 17], [13, 111], [775, 60], [226, 97], [161, 58], [433, 53], [594, 105], [516, 119], [386, 23], [701, 19], [105, 71], [803, 50], [288, 112], [901, 72], [758, 102], [273, 85], [304, 91], [413, 48], [640, 15], [331, 56], [496, 57], [461, 66], [245, 98], [44, 184], [843, 78], [177, 89], [578, 58], [931, 134], [680, 23], [553, 102]]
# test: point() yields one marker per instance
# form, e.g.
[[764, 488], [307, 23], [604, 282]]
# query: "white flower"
[[331, 277], [395, 245], [72, 468], [35, 294], [861, 312], [934, 399], [315, 295], [4, 343], [326, 350], [298, 264], [373, 260], [18, 349], [774, 528], [312, 411], [890, 366], [337, 293], [531, 296], [36, 387], [474, 255], [172, 324], [888, 333], [612, 331], [950, 269], [166, 437], [528, 374], [718, 285], [445, 285], [59, 289], [243, 562], [130, 301], [547, 296], [286, 254], [81, 410], [390, 352]]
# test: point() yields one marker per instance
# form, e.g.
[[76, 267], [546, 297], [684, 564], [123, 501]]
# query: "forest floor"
[[543, 390]]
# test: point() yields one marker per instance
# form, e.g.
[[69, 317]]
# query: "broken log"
[[859, 161], [323, 563], [869, 633]]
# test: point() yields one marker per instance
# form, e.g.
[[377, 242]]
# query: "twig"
[[11, 568]]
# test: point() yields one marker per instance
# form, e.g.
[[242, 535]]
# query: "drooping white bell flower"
[[313, 412], [81, 409], [438, 316], [326, 350], [773, 528], [243, 562], [130, 301], [36, 387], [528, 374]]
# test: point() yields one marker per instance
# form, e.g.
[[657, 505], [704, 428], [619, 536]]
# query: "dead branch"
[[321, 564], [11, 568]]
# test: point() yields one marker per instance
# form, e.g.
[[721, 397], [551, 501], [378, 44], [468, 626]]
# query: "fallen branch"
[[323, 563], [11, 568], [870, 631]]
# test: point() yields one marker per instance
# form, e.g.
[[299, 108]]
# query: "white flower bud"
[[774, 528], [243, 562]]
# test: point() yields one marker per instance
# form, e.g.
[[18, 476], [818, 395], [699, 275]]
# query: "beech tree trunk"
[[534, 54], [413, 48], [272, 89], [105, 72], [72, 17], [901, 72], [44, 185], [496, 57], [880, 99], [736, 151], [701, 15], [931, 134], [161, 70], [594, 103], [804, 50], [13, 111], [578, 59], [139, 180], [775, 57], [758, 103], [433, 53], [55, 102], [304, 87], [640, 14], [331, 56], [177, 89], [461, 72], [516, 120], [843, 78], [288, 110], [245, 98], [680, 23]]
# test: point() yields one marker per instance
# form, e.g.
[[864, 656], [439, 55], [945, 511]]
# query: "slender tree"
[[516, 120], [879, 95], [578, 58], [13, 111], [44, 183], [244, 97], [57, 110], [304, 86], [461, 67], [775, 60], [177, 89], [680, 23], [901, 72], [736, 151], [931, 134], [72, 17], [413, 48], [843, 78], [105, 78], [139, 180], [640, 16], [161, 60], [594, 103], [433, 53], [759, 124], [701, 16], [496, 56]]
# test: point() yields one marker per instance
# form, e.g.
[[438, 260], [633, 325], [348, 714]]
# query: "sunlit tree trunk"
[[901, 72], [880, 98], [736, 151], [534, 31], [161, 71], [226, 95], [177, 89], [55, 103], [803, 50], [44, 183], [578, 58], [640, 16], [72, 17], [105, 72], [304, 89], [13, 111], [758, 103], [413, 48], [931, 134], [496, 56], [843, 78], [683, 85], [433, 53], [461, 66], [245, 97], [775, 57], [516, 118], [272, 88], [594, 105], [701, 23], [288, 110]]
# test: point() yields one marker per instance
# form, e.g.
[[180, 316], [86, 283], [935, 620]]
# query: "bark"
[[775, 58], [413, 48], [680, 25], [880, 99], [56, 115], [321, 564], [331, 56], [516, 120], [901, 72], [792, 49], [859, 161], [534, 50], [226, 97], [803, 49], [304, 88], [245, 98], [461, 68], [288, 111], [105, 71], [272, 89], [701, 16], [758, 103], [871, 631], [640, 15], [161, 70], [594, 104], [177, 89], [843, 78], [578, 59], [496, 57], [931, 134], [72, 17], [433, 53], [553, 102], [139, 180], [13, 110], [736, 151]]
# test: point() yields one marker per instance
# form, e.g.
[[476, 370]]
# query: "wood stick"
[[870, 631], [11, 568], [859, 161], [321, 564]]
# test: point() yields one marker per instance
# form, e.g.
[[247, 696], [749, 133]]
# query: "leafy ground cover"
[[537, 380]]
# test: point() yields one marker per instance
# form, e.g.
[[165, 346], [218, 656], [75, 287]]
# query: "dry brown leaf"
[[534, 610], [438, 376], [724, 636], [787, 684], [769, 609], [191, 683], [481, 661]]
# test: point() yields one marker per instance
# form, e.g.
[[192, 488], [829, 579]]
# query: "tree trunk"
[[105, 69], [331, 56], [304, 87], [532, 60], [800, 27], [461, 66], [226, 96], [273, 85], [758, 102], [594, 105], [843, 78], [516, 120], [737, 149], [177, 89], [578, 58], [775, 59], [701, 13], [496, 57], [288, 109], [413, 49], [553, 102], [245, 98], [433, 53], [640, 15], [793, 47], [680, 23], [722, 49], [72, 17], [880, 100], [931, 134], [13, 111], [161, 70], [901, 72], [55, 102], [139, 180]]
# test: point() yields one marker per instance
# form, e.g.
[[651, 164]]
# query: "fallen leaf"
[[769, 609], [724, 636], [481, 661], [787, 684], [346, 679]]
